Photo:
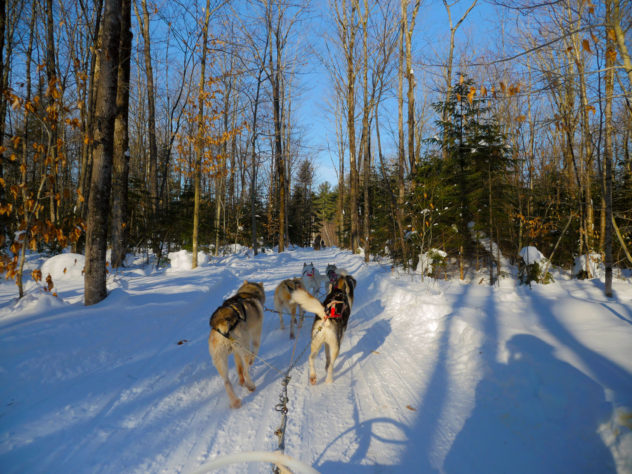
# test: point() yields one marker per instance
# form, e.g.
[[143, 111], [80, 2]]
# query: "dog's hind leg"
[[292, 321], [244, 370], [221, 363], [277, 308], [314, 352], [239, 365], [331, 353], [301, 317]]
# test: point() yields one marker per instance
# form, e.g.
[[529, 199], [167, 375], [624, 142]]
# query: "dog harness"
[[335, 308], [237, 305]]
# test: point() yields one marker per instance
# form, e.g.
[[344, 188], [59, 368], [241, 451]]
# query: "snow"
[[531, 255], [590, 262], [427, 259], [433, 376], [183, 260]]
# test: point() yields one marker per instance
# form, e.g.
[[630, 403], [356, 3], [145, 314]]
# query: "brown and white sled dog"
[[330, 323], [282, 303], [311, 278], [236, 327]]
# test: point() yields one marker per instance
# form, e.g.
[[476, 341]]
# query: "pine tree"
[[465, 190]]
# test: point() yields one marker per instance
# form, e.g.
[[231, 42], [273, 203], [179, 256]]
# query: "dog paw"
[[251, 387], [312, 380], [292, 336], [235, 403]]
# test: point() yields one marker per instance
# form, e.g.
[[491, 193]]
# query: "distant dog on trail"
[[282, 302], [236, 327], [332, 272], [311, 278], [330, 323]]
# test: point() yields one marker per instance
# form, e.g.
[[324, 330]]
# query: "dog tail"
[[308, 302]]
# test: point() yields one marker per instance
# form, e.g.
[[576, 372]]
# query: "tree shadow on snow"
[[381, 430], [603, 370], [534, 414], [426, 428], [373, 337]]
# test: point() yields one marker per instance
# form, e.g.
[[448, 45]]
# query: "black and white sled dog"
[[332, 272], [330, 323], [311, 278]]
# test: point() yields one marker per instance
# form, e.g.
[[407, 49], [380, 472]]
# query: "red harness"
[[332, 312]]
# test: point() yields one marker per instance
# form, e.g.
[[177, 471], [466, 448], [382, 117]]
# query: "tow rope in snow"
[[281, 407], [276, 458]]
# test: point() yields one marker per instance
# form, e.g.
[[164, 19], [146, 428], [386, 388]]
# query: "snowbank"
[[64, 267], [183, 260], [531, 255], [427, 259], [593, 262]]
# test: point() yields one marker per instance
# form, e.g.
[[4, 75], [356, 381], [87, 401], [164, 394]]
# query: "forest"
[[147, 126]]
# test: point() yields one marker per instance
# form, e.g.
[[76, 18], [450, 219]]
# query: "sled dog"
[[236, 327], [311, 278], [332, 272], [330, 323], [282, 302]]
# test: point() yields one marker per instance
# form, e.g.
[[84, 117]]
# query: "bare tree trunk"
[[253, 159], [87, 115], [274, 74], [586, 148], [199, 148], [410, 75], [346, 17], [401, 190], [610, 57], [620, 37], [341, 178], [365, 144], [449, 64], [25, 141], [120, 170], [98, 205], [3, 107], [143, 21], [51, 76]]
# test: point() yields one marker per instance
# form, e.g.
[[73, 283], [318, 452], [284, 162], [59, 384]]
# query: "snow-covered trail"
[[432, 376]]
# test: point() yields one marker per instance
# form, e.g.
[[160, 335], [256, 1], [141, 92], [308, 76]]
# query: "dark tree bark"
[[121, 142], [608, 150], [3, 17], [101, 179]]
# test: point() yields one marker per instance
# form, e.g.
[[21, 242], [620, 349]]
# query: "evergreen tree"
[[300, 209], [467, 187]]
